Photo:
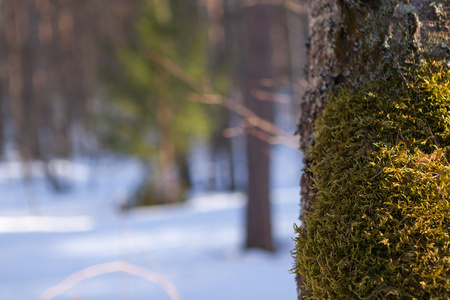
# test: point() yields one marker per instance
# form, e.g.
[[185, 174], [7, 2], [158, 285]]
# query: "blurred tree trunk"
[[44, 45], [352, 42], [3, 86], [257, 73], [169, 185], [167, 181], [183, 168], [220, 56], [220, 145], [21, 42]]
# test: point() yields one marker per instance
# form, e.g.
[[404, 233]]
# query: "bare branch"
[[207, 95], [298, 8], [267, 96], [111, 267], [270, 139], [176, 71]]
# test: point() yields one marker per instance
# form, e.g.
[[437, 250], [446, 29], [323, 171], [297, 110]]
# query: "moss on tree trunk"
[[356, 42]]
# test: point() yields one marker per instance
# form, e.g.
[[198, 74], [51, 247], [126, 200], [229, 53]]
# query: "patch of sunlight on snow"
[[69, 169], [45, 224], [91, 246], [219, 201], [11, 170], [58, 167]]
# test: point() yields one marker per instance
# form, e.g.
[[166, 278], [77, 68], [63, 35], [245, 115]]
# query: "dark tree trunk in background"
[[224, 170], [352, 42], [168, 187], [220, 57], [48, 53], [3, 88], [43, 69], [258, 71]]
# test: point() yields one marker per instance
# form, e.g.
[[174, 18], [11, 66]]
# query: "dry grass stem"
[[111, 267]]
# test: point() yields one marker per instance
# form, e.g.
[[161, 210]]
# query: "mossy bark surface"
[[356, 43]]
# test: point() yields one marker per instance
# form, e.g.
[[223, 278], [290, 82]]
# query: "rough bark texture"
[[354, 41]]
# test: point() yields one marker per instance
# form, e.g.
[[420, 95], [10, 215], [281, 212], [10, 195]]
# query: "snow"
[[197, 246]]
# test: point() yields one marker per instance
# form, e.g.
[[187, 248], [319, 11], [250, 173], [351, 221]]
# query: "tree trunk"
[[257, 71], [3, 85], [44, 71], [21, 45], [167, 180], [169, 185], [352, 42]]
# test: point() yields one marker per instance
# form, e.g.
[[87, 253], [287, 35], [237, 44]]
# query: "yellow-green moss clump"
[[380, 226]]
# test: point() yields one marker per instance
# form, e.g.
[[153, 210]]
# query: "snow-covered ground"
[[197, 246]]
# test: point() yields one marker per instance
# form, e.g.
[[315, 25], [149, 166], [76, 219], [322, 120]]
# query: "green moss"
[[380, 226]]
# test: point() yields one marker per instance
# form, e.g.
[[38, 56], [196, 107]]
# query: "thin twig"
[[436, 142], [440, 191], [266, 96], [434, 138], [401, 136], [436, 175], [293, 6], [175, 70], [207, 95], [262, 135], [111, 267], [376, 174], [406, 80]]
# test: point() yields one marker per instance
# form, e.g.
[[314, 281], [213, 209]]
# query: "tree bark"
[[46, 71], [352, 42], [169, 185], [257, 70]]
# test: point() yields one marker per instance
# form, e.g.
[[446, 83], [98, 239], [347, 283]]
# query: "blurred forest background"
[[169, 82]]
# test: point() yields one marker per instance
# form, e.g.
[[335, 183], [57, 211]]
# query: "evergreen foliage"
[[140, 85], [148, 112], [380, 225]]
